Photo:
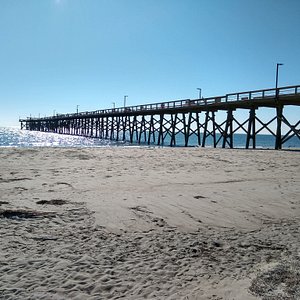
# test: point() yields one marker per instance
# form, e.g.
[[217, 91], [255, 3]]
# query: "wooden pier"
[[163, 123]]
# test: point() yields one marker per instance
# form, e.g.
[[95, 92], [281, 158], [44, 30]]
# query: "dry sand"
[[156, 223]]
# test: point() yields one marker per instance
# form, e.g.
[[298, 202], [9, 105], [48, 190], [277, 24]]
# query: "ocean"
[[11, 137]]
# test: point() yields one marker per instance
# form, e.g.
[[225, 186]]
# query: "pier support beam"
[[151, 130], [228, 126], [211, 133], [278, 143], [251, 130], [160, 139]]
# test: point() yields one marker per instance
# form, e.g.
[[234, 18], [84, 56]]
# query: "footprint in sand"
[[58, 186], [147, 215]]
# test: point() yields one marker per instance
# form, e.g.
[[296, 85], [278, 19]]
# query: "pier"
[[163, 123]]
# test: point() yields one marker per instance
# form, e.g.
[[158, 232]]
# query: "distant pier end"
[[163, 123]]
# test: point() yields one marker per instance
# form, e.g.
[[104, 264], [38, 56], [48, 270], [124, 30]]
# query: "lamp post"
[[279, 108], [200, 90], [77, 108], [277, 69], [125, 97], [114, 105]]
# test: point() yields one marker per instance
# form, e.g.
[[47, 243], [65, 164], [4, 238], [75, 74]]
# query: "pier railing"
[[254, 95]]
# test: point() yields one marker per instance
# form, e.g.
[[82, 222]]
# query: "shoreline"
[[27, 139]]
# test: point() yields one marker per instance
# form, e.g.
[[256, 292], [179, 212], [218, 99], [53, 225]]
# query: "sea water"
[[11, 137]]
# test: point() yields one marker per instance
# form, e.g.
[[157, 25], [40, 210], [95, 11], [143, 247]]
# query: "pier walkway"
[[163, 123]]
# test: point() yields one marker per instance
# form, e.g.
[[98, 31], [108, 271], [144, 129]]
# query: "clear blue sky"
[[56, 54]]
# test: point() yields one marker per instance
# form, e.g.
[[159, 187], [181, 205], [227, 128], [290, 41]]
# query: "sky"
[[57, 54]]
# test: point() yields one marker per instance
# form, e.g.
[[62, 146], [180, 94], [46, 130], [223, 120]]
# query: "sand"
[[149, 223]]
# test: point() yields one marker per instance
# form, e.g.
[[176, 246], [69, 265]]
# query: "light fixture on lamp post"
[[114, 105], [77, 108]]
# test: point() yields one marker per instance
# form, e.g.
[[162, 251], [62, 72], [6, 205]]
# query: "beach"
[[149, 223]]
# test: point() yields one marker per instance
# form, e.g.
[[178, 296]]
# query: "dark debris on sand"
[[21, 214], [52, 202]]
